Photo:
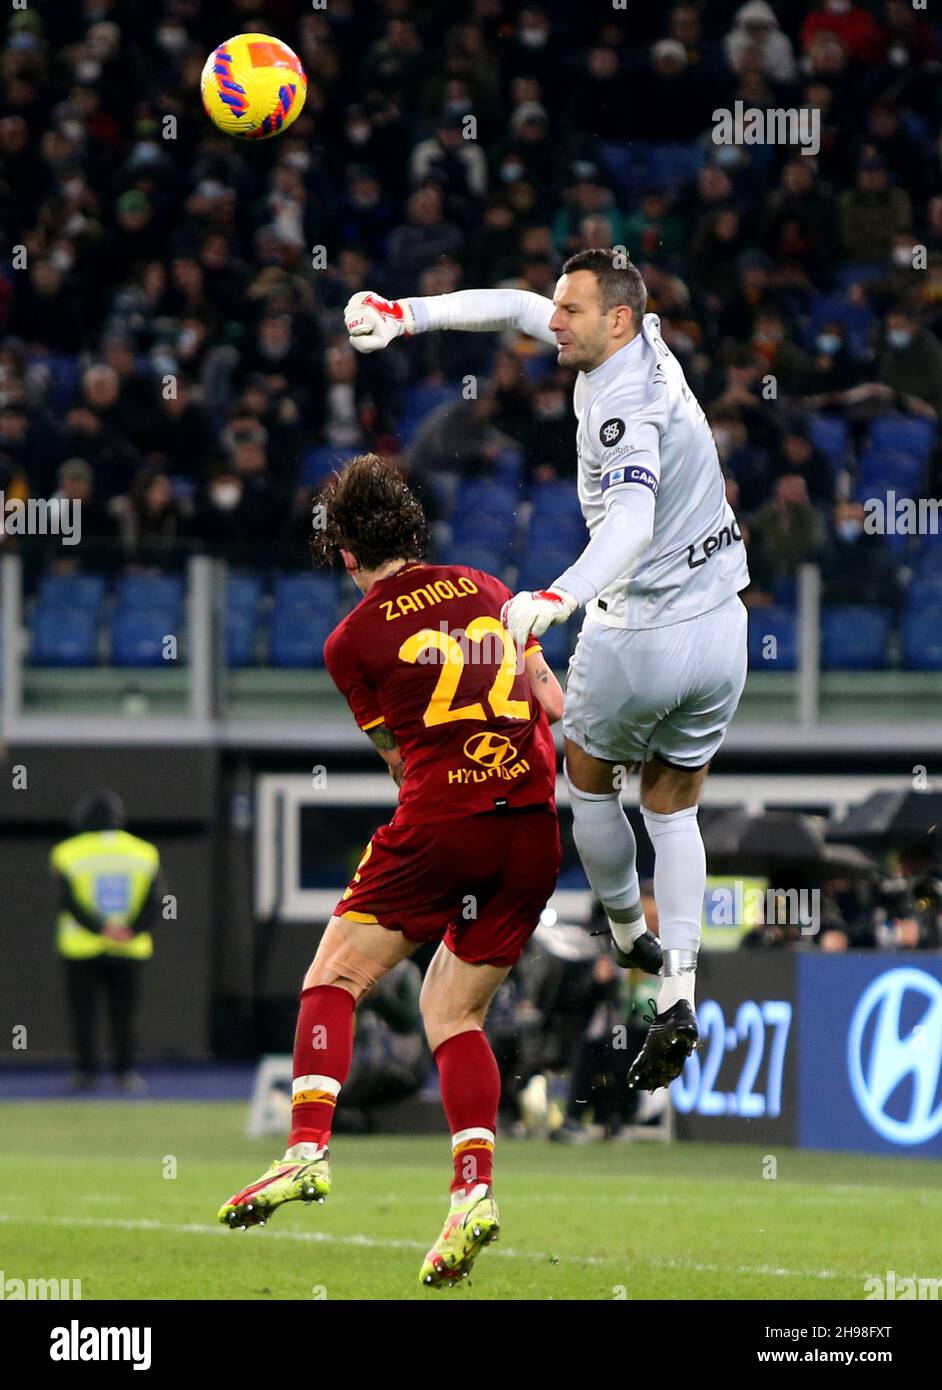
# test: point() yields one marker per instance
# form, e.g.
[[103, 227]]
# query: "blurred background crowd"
[[156, 248]]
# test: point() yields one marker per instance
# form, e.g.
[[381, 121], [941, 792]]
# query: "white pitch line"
[[384, 1243]]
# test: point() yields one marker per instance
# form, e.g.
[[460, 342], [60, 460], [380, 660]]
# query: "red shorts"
[[477, 882]]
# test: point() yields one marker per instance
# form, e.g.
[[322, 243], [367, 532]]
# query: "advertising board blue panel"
[[870, 1053]]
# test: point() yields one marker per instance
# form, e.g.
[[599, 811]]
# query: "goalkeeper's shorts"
[[670, 692]]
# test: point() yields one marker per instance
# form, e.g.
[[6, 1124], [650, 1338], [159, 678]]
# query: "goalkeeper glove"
[[373, 321], [528, 612]]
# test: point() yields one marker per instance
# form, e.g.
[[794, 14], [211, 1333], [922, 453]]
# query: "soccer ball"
[[253, 86]]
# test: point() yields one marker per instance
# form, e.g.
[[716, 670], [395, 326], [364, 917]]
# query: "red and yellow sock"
[[470, 1086], [323, 1050]]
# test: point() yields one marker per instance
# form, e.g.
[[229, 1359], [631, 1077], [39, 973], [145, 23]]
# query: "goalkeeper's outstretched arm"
[[373, 321]]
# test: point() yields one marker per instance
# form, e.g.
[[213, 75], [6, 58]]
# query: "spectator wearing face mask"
[[856, 567], [528, 154], [832, 367], [911, 364], [221, 517]]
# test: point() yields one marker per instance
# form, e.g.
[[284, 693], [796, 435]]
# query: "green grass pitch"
[[85, 1196]]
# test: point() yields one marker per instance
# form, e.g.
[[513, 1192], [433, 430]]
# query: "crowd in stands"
[[172, 349]]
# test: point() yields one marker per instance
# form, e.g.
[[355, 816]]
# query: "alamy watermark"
[[14, 1289], [733, 905], [754, 125], [902, 1288], [42, 516], [891, 515]]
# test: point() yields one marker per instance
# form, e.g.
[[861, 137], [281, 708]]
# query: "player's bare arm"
[[546, 688], [384, 741]]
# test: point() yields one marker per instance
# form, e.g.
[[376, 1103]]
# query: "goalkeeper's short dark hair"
[[620, 281], [368, 508]]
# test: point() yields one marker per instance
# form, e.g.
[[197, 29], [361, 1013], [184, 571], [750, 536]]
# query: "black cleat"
[[645, 954], [672, 1037]]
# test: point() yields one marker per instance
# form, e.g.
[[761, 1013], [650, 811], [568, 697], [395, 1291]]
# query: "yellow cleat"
[[285, 1181], [471, 1224]]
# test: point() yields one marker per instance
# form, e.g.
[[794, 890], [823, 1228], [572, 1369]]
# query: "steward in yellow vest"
[[109, 893]]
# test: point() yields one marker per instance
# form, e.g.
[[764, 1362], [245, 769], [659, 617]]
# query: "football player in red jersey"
[[468, 860]]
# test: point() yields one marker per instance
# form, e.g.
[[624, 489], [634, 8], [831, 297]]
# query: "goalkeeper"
[[660, 663]]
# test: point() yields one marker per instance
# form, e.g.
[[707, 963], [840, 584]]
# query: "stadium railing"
[[215, 652]]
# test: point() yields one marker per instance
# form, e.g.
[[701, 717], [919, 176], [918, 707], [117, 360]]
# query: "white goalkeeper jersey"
[[639, 427]]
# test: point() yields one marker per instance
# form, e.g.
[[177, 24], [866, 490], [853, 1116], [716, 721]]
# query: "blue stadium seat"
[[64, 636], [64, 372], [829, 434], [182, 489], [563, 531], [145, 591], [885, 465], [922, 640], [855, 637], [497, 530], [487, 497], [772, 639], [555, 499], [623, 166], [929, 563], [420, 402], [297, 642], [557, 644], [319, 462], [243, 592], [924, 592], [538, 365], [241, 625], [508, 468], [859, 273], [307, 591], [902, 434], [73, 590], [541, 567], [671, 166], [478, 557], [785, 592], [138, 636]]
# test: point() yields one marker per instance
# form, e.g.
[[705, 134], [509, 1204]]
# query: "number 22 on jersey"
[[440, 709]]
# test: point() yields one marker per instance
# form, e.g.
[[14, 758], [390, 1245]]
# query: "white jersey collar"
[[624, 357]]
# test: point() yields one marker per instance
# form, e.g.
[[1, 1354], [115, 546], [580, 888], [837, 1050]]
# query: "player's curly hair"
[[368, 508]]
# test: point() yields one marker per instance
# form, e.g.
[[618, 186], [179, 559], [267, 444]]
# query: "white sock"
[[626, 933], [303, 1153], [674, 987], [679, 885], [607, 848], [464, 1194], [679, 876]]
